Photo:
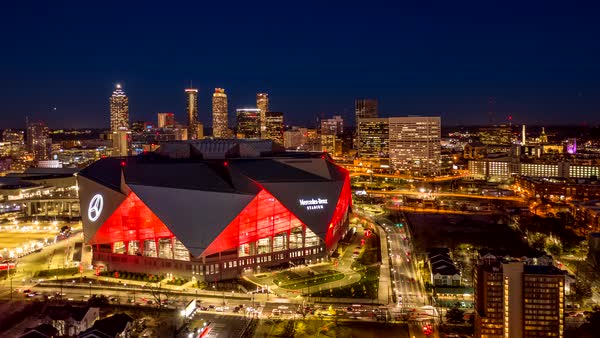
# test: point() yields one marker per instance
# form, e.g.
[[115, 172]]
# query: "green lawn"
[[304, 282]]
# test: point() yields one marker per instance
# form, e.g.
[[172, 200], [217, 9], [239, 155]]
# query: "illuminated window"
[[279, 242], [119, 247], [150, 248], [245, 250], [311, 239], [263, 245], [134, 248], [165, 248], [179, 251], [296, 238]]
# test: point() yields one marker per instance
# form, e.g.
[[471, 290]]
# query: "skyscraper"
[[330, 129], [274, 126], [38, 141], [373, 137], [514, 300], [365, 109], [262, 103], [192, 112], [219, 113], [415, 144], [119, 109], [166, 120], [248, 123]]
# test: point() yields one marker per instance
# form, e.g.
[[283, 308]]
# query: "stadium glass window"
[[295, 241], [311, 239], [264, 245], [150, 248], [165, 248], [244, 250], [119, 247], [133, 248], [179, 250], [279, 242]]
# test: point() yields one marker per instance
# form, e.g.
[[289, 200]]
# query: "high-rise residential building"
[[415, 144], [514, 300], [331, 129], [365, 109], [166, 120], [248, 123], [192, 113], [219, 113], [38, 141], [274, 126], [119, 110], [15, 140], [373, 137], [262, 103]]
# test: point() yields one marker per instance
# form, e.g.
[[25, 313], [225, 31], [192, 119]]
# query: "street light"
[[90, 282]]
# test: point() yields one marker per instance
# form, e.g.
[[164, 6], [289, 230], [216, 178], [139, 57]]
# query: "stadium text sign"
[[313, 203]]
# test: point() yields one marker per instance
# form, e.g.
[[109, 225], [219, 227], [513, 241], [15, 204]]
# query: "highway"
[[432, 195], [354, 173]]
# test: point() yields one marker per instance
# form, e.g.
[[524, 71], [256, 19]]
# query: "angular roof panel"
[[195, 217]]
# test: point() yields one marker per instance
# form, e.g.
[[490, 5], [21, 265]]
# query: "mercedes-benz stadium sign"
[[313, 203], [95, 207]]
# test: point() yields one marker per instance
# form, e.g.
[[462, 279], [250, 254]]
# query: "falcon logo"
[[95, 207]]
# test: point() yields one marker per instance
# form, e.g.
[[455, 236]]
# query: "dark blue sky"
[[539, 59]]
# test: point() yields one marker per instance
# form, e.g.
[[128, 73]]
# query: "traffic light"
[[427, 329]]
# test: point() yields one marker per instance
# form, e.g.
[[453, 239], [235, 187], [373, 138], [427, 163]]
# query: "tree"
[[455, 316], [583, 290], [98, 301], [555, 250]]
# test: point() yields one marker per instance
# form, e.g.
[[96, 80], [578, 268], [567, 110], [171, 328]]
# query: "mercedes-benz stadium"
[[212, 219]]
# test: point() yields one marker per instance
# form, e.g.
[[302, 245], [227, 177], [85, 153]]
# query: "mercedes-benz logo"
[[95, 207]]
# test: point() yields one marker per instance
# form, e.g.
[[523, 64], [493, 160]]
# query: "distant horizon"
[[534, 61]]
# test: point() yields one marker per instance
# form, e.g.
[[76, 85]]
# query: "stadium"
[[211, 216]]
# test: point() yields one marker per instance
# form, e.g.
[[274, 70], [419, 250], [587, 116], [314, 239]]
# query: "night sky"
[[539, 59]]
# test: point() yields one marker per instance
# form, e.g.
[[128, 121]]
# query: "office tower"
[[495, 135], [121, 142], [38, 141], [137, 126], [294, 138], [274, 126], [262, 103], [514, 300], [415, 144], [166, 120], [248, 123], [330, 131], [365, 109], [523, 135], [373, 137], [219, 113], [119, 110], [192, 113], [15, 139]]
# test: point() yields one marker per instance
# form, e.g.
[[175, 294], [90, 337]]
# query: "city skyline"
[[535, 63]]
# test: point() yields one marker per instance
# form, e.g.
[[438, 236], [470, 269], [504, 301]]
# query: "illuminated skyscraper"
[[119, 110], [415, 144], [248, 123], [192, 112], [166, 120], [330, 129], [373, 137], [514, 300], [365, 109], [274, 126], [262, 103], [219, 113], [38, 141]]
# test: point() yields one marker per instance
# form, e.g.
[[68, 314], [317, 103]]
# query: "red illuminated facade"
[[212, 220]]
